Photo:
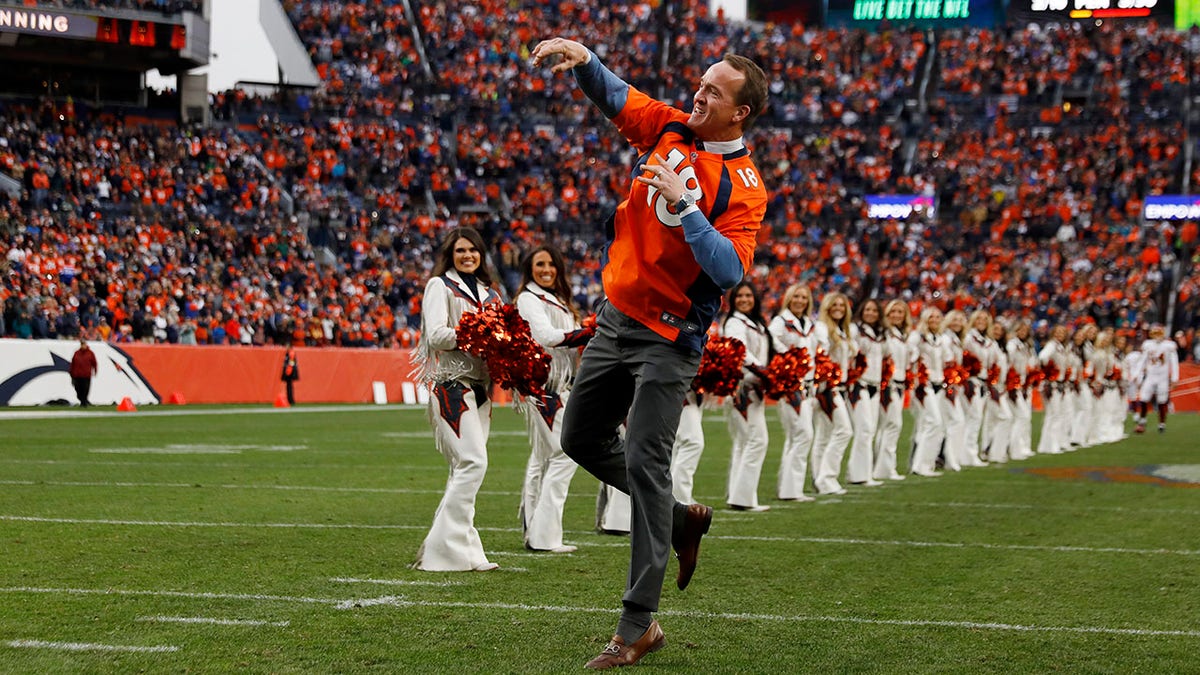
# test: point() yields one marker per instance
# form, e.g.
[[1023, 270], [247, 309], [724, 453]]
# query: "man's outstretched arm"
[[597, 82]]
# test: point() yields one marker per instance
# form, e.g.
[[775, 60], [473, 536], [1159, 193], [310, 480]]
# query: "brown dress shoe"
[[687, 541], [616, 653]]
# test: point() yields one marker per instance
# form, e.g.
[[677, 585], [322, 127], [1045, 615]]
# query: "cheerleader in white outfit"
[[1108, 408], [975, 390], [891, 398], [866, 411], [928, 347], [1021, 359], [953, 456], [689, 446], [832, 429], [1128, 362], [998, 415], [1055, 360], [1082, 422], [793, 328], [545, 302], [459, 408], [1134, 374], [745, 410]]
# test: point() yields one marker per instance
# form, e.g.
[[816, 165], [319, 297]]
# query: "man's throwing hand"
[[572, 53]]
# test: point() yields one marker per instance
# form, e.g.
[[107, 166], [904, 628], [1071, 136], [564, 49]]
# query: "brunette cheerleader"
[[459, 407]]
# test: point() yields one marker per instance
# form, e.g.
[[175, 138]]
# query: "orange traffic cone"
[[176, 398], [281, 401], [126, 405]]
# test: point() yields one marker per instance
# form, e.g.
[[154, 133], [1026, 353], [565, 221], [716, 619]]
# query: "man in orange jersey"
[[684, 234]]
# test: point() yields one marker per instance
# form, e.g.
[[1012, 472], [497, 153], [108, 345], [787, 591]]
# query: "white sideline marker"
[[251, 486], [88, 647], [400, 601], [216, 622]]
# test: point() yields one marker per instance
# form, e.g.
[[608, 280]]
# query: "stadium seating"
[[311, 217]]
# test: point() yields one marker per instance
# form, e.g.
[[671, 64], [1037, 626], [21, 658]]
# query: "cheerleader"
[[745, 411], [459, 408], [1081, 412], [832, 429], [927, 344], [793, 328], [688, 447], [1019, 351], [872, 343], [975, 390], [997, 415], [1135, 372], [896, 321], [1129, 361], [1055, 359], [1108, 408], [956, 419], [545, 302]]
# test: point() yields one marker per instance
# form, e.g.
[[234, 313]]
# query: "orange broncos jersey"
[[651, 274]]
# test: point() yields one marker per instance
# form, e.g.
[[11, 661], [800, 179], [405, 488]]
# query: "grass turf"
[[114, 529]]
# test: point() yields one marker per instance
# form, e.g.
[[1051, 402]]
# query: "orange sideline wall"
[[228, 374]]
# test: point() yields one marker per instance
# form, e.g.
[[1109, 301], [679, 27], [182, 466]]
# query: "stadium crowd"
[[310, 218]]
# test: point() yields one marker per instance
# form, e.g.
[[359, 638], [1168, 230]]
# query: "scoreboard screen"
[[924, 13], [1046, 11]]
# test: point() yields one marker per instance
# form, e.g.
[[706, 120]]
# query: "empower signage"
[[44, 22], [1172, 207], [899, 207]]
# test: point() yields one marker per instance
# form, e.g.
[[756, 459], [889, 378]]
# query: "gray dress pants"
[[631, 374]]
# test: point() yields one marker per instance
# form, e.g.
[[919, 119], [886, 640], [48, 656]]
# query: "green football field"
[[261, 540]]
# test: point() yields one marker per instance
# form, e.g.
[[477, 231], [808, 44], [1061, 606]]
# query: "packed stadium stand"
[[309, 216]]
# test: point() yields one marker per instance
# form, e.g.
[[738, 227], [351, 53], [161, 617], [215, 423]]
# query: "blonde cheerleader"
[[832, 429], [953, 455], [1055, 360], [896, 321], [975, 390], [929, 352], [793, 328], [1021, 358]]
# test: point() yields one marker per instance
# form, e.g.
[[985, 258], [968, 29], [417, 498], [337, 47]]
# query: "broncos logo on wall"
[[35, 372]]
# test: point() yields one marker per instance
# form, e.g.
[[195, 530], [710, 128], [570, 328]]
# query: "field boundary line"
[[88, 647], [80, 415], [402, 602]]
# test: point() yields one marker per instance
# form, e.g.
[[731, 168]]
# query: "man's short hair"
[[754, 90]]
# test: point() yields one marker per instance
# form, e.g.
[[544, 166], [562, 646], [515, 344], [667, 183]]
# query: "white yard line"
[[401, 601], [252, 597], [251, 486], [87, 647], [952, 544], [804, 540], [215, 622], [863, 500], [393, 582]]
